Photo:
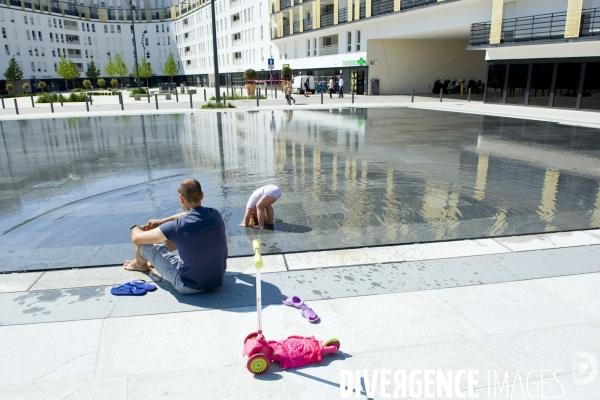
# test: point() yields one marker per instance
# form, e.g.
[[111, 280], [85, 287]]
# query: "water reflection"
[[70, 188]]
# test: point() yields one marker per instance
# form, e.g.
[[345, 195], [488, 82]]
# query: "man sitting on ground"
[[198, 234]]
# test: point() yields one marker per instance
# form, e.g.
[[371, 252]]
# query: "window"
[[54, 22], [62, 38], [107, 41], [163, 27], [33, 66], [7, 50], [43, 52], [33, 35], [96, 52], [15, 34], [146, 41], [55, 66], [27, 32], [157, 29], [262, 36], [31, 51], [60, 23], [357, 40], [93, 28], [169, 40], [18, 50], [108, 54], [39, 67], [53, 52], [105, 29], [120, 42], [45, 67], [112, 29], [308, 48], [40, 35], [147, 54], [51, 37], [314, 46], [118, 28], [25, 19], [349, 35], [49, 22], [113, 42], [4, 33], [167, 28], [86, 54]]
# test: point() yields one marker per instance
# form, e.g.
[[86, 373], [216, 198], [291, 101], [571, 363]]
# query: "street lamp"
[[137, 68], [215, 56]]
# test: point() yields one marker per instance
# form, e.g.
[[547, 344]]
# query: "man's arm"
[[153, 236], [154, 223]]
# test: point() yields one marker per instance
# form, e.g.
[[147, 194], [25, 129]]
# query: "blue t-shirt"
[[200, 238]]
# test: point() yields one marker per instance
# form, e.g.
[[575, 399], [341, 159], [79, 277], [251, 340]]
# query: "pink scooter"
[[295, 351]]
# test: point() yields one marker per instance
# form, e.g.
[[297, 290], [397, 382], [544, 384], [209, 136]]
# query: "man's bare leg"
[[139, 264]]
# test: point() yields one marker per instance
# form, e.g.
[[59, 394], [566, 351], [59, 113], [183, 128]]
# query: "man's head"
[[190, 193]]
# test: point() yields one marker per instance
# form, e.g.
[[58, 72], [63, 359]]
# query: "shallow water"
[[71, 188]]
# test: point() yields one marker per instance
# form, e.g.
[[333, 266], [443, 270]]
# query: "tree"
[[42, 85], [114, 83], [146, 71], [92, 72], [13, 73], [109, 68], [25, 87], [87, 83], [101, 82], [67, 70], [120, 67], [170, 69], [286, 71]]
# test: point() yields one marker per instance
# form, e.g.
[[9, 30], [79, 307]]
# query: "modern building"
[[524, 51]]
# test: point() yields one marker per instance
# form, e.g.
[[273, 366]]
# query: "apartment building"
[[38, 32], [527, 52]]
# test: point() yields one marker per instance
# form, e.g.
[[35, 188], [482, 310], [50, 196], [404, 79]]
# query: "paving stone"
[[89, 389], [18, 282]]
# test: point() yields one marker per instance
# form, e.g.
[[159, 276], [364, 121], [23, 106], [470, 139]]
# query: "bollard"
[[16, 107], [156, 100], [87, 105], [224, 100], [91, 100], [275, 90], [441, 93], [469, 96], [204, 94], [352, 96], [61, 99], [51, 105], [2, 97], [122, 105], [191, 104], [257, 97], [176, 96], [32, 102], [321, 96], [148, 96], [412, 95]]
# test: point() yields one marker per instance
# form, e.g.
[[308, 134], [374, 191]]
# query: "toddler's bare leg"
[[270, 214], [262, 204]]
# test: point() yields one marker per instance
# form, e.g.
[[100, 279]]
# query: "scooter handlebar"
[[257, 256]]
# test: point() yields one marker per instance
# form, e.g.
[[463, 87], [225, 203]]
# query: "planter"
[[251, 89]]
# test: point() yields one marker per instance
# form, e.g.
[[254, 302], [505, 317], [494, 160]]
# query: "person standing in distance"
[[341, 85], [199, 235]]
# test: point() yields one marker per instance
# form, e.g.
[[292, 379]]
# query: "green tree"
[[13, 73], [286, 72], [92, 72], [67, 70], [87, 83], [170, 69], [42, 85], [120, 68], [109, 68], [146, 70], [114, 83], [101, 82], [25, 87]]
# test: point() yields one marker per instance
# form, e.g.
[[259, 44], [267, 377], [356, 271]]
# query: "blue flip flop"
[[142, 284], [128, 290]]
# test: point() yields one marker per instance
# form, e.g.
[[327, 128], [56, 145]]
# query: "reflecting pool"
[[71, 188]]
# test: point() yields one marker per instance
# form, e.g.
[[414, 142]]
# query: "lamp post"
[[215, 56], [137, 68]]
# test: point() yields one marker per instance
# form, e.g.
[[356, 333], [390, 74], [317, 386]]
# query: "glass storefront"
[[541, 84], [563, 80], [496, 77], [567, 84], [517, 83], [591, 87]]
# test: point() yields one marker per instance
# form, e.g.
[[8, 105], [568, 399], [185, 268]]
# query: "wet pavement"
[[71, 188]]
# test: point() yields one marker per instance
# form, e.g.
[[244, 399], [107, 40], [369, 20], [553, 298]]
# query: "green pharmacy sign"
[[351, 63]]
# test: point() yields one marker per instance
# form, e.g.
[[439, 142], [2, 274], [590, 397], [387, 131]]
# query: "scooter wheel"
[[332, 342], [252, 335], [258, 364]]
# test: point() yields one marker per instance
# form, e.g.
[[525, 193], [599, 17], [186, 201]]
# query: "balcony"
[[381, 7], [70, 25], [407, 4], [343, 16], [307, 24], [296, 27], [16, 3], [237, 61], [286, 29], [328, 50], [362, 10], [327, 20], [283, 4], [537, 27], [235, 43]]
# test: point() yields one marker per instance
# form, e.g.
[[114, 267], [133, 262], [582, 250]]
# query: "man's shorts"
[[167, 265]]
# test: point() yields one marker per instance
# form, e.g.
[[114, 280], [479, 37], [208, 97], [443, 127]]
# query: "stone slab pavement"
[[522, 312]]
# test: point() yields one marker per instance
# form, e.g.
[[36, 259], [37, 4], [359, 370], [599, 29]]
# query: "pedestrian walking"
[[341, 85], [330, 86]]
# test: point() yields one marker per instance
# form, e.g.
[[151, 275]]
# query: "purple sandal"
[[309, 314], [294, 301]]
